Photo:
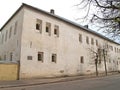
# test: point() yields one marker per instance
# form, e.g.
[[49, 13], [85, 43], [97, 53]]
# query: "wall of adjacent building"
[[10, 39], [66, 46]]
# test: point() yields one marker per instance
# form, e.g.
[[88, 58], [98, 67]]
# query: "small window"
[[15, 28], [80, 37], [40, 56], [56, 30], [54, 58], [109, 61], [11, 56], [48, 28], [115, 49], [39, 25], [4, 57], [96, 42], [2, 38], [82, 59], [92, 41], [87, 40], [6, 35], [29, 57], [10, 32]]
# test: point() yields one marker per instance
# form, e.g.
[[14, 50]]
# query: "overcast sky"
[[63, 8]]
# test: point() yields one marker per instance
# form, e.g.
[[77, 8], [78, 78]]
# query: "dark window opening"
[[40, 56], [55, 31], [38, 26], [54, 58], [29, 57], [81, 59], [47, 29]]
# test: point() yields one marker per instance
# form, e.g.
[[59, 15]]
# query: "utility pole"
[[105, 61]]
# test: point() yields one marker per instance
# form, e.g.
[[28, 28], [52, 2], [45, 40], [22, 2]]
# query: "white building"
[[47, 45]]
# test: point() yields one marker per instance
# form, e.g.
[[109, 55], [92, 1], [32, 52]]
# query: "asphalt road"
[[102, 83]]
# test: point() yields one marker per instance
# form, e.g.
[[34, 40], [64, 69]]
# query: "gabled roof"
[[60, 18]]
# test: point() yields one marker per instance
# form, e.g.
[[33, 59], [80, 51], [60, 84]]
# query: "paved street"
[[101, 83]]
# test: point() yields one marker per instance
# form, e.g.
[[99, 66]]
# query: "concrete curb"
[[57, 80]]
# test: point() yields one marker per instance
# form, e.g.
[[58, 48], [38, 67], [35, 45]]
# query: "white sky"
[[63, 8]]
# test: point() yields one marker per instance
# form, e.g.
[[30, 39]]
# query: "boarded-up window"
[[29, 57]]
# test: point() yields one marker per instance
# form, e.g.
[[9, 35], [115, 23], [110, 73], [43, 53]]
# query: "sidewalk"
[[29, 82]]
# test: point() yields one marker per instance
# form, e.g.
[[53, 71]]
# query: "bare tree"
[[96, 56], [100, 55], [107, 15]]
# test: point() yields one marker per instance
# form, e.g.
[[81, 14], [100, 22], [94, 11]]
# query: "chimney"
[[86, 26], [52, 11]]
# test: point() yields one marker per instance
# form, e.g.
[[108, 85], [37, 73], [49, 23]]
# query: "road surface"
[[101, 83]]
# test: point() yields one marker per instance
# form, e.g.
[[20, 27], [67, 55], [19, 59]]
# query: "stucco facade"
[[64, 50]]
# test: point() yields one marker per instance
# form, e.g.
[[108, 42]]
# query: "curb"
[[66, 79]]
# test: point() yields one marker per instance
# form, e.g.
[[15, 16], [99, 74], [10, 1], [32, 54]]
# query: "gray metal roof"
[[60, 18]]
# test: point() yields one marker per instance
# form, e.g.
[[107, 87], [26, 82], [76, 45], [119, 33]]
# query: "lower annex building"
[[47, 45]]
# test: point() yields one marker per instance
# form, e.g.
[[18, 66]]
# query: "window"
[[96, 42], [11, 56], [92, 41], [87, 40], [56, 30], [40, 56], [54, 58], [2, 38], [48, 28], [115, 49], [4, 57], [15, 28], [10, 32], [80, 37], [109, 61], [6, 35], [39, 25], [29, 57], [81, 59]]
